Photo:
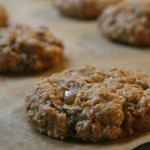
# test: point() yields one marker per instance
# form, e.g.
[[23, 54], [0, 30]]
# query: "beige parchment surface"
[[83, 45]]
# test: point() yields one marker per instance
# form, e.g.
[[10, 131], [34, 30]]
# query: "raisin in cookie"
[[91, 104], [24, 49], [85, 9], [3, 17], [127, 22]]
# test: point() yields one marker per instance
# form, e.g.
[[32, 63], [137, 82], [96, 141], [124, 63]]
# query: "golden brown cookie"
[[91, 104], [127, 22], [24, 49], [3, 17], [85, 9]]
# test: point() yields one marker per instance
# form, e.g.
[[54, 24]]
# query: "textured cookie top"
[[3, 17], [127, 22], [83, 8], [24, 49], [91, 104]]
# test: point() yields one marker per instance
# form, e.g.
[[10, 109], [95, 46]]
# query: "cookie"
[[3, 17], [90, 104], [84, 9], [127, 22], [24, 49]]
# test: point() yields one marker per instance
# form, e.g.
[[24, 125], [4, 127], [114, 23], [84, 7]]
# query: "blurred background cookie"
[[85, 9], [23, 49], [3, 17], [127, 22]]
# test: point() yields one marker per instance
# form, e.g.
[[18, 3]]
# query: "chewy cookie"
[[91, 104], [127, 22], [85, 9], [23, 49], [3, 17]]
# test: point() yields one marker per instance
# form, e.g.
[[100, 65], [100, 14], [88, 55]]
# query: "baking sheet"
[[83, 45]]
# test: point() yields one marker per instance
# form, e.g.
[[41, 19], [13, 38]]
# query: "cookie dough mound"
[[127, 22], [91, 104], [3, 17], [24, 50], [85, 9]]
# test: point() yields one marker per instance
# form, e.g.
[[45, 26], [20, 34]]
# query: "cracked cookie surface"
[[24, 49], [91, 104]]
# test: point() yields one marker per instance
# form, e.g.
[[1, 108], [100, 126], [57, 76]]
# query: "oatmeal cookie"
[[127, 22], [85, 9], [90, 104], [3, 17], [24, 49]]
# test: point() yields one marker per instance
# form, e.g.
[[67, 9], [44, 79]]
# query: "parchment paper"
[[84, 45]]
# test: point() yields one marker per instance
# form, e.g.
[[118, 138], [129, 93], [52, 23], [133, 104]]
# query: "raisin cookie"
[[3, 17], [127, 22], [91, 104], [24, 49], [85, 9]]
